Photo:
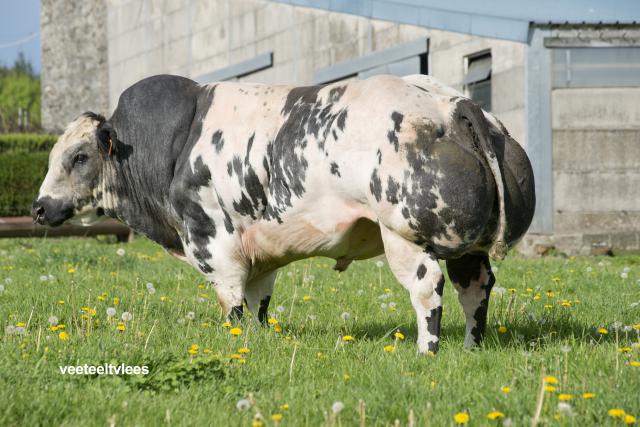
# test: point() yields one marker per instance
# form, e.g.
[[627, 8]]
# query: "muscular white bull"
[[241, 179]]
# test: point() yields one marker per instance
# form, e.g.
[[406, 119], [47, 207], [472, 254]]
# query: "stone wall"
[[74, 74]]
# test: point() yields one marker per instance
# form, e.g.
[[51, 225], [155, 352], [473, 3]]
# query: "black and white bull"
[[240, 179]]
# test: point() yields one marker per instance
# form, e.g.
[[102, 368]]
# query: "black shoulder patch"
[[392, 190], [392, 135], [217, 140]]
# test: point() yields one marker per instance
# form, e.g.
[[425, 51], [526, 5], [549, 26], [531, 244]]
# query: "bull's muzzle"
[[49, 211]]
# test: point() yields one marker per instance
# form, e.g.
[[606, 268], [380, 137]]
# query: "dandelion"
[[589, 269], [306, 298], [312, 317], [616, 413], [190, 315], [284, 406], [276, 418], [71, 270], [10, 329], [389, 349], [549, 388], [120, 252], [116, 301], [461, 418], [634, 363], [387, 290], [379, 264], [629, 419], [383, 305], [506, 390], [565, 409], [257, 421], [399, 335], [495, 415], [563, 397], [126, 316], [278, 329], [565, 349], [120, 327], [243, 350], [193, 349], [337, 407], [280, 309], [550, 380], [502, 329], [272, 321], [392, 305], [498, 290], [347, 338], [243, 405], [588, 395], [44, 278], [152, 291], [53, 320], [63, 336], [235, 331], [602, 331], [226, 325], [345, 316], [625, 350], [149, 285]]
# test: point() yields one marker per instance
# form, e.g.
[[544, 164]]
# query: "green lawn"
[[552, 309]]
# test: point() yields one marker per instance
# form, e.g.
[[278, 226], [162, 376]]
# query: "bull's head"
[[73, 187]]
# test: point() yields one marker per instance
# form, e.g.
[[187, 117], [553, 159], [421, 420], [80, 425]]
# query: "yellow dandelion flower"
[[164, 298], [101, 298], [306, 297], [548, 306], [347, 338], [550, 380], [629, 419], [236, 356], [276, 418], [61, 326], [603, 331], [226, 325], [346, 377], [616, 413], [61, 301], [506, 390], [389, 349], [257, 422], [494, 415], [636, 326], [121, 327], [564, 397], [272, 321], [588, 395], [387, 290], [277, 328], [625, 350], [399, 335], [555, 279], [20, 325], [193, 349], [634, 363], [243, 350], [461, 418], [550, 294], [205, 324], [235, 331], [536, 297], [116, 301], [63, 336], [284, 406], [71, 270], [502, 329], [512, 290], [566, 303], [206, 350], [549, 388]]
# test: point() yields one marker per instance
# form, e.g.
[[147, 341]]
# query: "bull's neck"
[[127, 197]]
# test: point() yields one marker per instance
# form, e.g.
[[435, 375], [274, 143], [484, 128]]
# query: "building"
[[564, 77]]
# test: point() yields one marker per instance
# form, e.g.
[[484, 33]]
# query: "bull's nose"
[[37, 212]]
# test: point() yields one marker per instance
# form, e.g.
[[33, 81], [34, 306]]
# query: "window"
[[401, 60], [477, 80], [596, 67], [239, 69]]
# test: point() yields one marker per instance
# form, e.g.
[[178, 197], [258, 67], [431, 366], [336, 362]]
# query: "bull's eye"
[[79, 159]]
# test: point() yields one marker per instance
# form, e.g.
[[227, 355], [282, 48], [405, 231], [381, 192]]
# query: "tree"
[[19, 89]]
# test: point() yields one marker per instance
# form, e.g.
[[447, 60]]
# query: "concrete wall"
[[74, 74], [194, 37], [596, 166]]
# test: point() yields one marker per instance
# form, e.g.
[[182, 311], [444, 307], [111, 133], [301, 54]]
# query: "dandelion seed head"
[[360, 292], [53, 320], [392, 305], [8, 280], [243, 405], [181, 321], [151, 291], [337, 407], [44, 278], [499, 290], [190, 315], [19, 330], [624, 275], [379, 264], [149, 285], [383, 305], [312, 317], [565, 349], [507, 422], [280, 309], [111, 312], [120, 252], [626, 269], [345, 316], [126, 316], [10, 330], [589, 269]]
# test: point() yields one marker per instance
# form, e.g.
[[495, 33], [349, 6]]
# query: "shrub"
[[23, 166]]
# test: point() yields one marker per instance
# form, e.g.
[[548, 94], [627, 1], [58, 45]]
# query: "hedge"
[[23, 166]]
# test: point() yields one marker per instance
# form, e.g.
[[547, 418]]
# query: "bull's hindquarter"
[[265, 175]]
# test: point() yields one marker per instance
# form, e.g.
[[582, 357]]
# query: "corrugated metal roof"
[[501, 19]]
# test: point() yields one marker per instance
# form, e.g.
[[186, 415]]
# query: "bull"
[[241, 179]]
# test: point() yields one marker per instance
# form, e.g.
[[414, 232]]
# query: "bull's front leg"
[[258, 295], [472, 277]]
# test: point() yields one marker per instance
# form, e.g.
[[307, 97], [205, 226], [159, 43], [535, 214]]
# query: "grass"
[[306, 365]]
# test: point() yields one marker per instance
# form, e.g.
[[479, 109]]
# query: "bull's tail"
[[479, 128]]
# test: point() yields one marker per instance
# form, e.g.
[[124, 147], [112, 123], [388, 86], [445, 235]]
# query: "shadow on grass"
[[524, 334]]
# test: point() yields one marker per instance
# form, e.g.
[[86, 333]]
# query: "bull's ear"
[[107, 138]]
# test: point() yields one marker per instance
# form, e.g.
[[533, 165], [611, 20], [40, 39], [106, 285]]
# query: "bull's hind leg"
[[472, 277], [418, 271], [257, 296]]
